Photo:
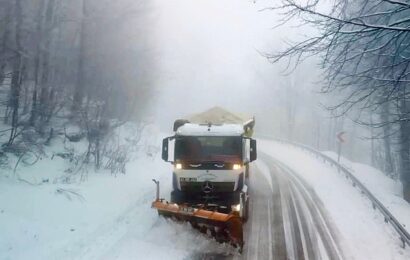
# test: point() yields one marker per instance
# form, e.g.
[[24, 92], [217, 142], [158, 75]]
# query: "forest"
[[69, 64], [364, 50], [77, 64]]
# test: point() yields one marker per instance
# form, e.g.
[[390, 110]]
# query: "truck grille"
[[207, 166], [216, 186]]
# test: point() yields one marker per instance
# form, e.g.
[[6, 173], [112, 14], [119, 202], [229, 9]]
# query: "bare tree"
[[17, 71], [64, 63], [5, 11], [38, 37], [80, 82], [365, 51]]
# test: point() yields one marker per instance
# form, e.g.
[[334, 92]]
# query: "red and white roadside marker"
[[341, 140], [340, 137]]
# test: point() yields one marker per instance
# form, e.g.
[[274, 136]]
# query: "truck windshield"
[[209, 148]]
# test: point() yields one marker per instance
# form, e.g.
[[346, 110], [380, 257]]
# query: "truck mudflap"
[[223, 227]]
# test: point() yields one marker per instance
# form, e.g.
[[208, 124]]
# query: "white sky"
[[207, 55]]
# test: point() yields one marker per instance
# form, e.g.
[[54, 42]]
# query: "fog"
[[161, 60], [210, 54]]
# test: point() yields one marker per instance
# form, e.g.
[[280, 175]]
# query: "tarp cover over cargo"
[[218, 115]]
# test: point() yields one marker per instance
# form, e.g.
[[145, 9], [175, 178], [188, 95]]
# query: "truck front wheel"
[[244, 207], [178, 197]]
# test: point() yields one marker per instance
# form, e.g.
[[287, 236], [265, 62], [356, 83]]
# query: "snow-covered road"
[[360, 231], [302, 229], [303, 209], [287, 220]]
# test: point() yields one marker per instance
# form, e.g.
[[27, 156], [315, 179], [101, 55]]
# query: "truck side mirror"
[[165, 149], [178, 123], [253, 153]]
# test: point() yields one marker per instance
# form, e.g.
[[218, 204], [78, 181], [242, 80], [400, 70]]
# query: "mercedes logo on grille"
[[207, 187]]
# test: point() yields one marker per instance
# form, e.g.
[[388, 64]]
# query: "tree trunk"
[[388, 166], [16, 74], [405, 147], [5, 39], [80, 84], [24, 87], [372, 146], [39, 35], [45, 84], [404, 160]]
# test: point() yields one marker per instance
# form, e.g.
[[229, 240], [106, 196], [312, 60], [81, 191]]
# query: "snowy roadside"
[[43, 216], [104, 217], [39, 222], [385, 189], [363, 233]]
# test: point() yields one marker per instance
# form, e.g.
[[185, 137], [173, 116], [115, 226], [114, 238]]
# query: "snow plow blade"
[[224, 227]]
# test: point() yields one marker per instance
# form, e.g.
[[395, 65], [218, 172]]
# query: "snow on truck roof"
[[189, 129]]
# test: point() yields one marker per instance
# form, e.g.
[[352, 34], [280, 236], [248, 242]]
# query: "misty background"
[[211, 53], [82, 68]]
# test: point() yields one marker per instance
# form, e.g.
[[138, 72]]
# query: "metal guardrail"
[[388, 217]]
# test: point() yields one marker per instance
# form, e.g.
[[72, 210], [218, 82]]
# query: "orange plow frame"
[[225, 227], [228, 224]]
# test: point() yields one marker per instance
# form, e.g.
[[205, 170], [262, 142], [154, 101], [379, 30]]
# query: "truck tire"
[[178, 197], [247, 171], [245, 207]]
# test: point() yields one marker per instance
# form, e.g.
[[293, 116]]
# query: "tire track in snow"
[[309, 227], [260, 228], [287, 220]]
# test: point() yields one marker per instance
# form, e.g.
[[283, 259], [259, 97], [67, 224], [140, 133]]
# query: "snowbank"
[[362, 230], [387, 190], [105, 217]]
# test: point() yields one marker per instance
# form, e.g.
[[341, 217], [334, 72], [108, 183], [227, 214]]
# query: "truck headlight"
[[236, 207], [178, 166], [236, 166]]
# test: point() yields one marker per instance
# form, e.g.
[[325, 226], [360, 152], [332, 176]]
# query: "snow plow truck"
[[210, 153]]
